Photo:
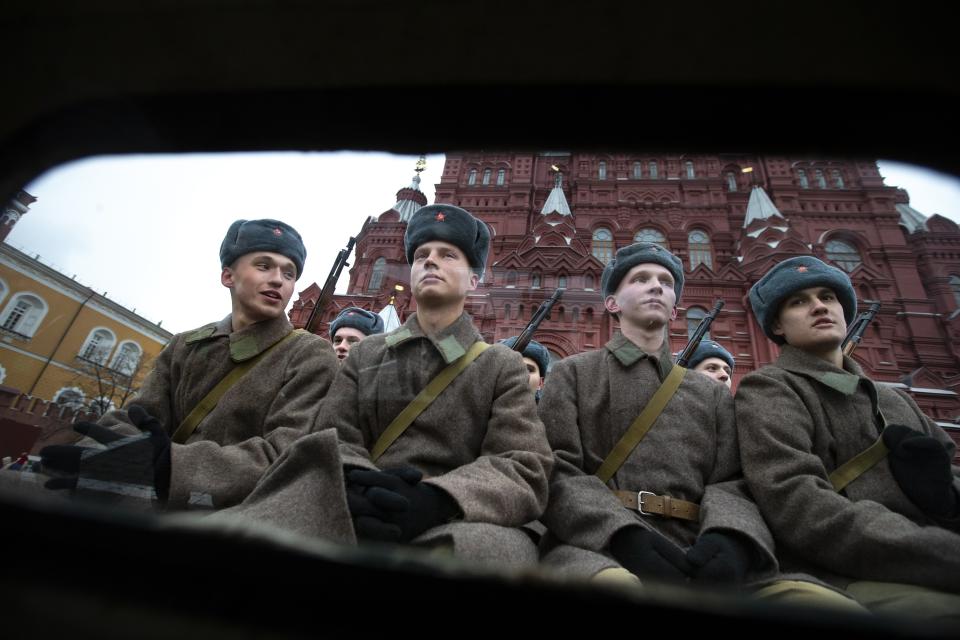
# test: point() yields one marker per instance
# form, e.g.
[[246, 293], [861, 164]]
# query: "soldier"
[[352, 325], [713, 361], [883, 527], [675, 509], [537, 359], [221, 401], [473, 465]]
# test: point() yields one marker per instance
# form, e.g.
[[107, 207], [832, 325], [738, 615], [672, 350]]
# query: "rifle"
[[327, 291], [858, 327], [684, 356], [524, 338]]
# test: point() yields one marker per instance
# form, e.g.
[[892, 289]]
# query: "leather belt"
[[649, 503]]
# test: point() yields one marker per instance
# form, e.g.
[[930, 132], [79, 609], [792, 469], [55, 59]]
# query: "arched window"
[[653, 169], [472, 177], [651, 235], [486, 176], [23, 314], [127, 358], [511, 277], [731, 181], [955, 288], [802, 179], [637, 173], [602, 170], [501, 177], [535, 280], [700, 252], [506, 311], [576, 315], [843, 254], [3, 289], [837, 179], [602, 245], [588, 281], [821, 181], [562, 281], [690, 172], [98, 345], [694, 316], [72, 397], [376, 278]]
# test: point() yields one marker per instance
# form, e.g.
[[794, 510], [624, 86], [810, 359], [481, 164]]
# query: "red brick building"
[[556, 217]]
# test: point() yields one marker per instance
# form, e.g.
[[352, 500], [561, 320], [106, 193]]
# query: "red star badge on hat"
[[802, 268], [440, 217], [277, 231]]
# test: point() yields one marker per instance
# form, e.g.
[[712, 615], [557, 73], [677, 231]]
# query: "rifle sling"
[[423, 400], [209, 401], [641, 425]]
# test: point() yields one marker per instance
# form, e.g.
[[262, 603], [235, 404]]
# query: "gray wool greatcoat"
[[272, 405], [481, 440], [690, 453], [801, 418]]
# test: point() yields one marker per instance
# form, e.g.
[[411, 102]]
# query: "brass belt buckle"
[[640, 495]]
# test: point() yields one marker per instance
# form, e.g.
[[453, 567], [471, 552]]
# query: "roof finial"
[[557, 179], [421, 163]]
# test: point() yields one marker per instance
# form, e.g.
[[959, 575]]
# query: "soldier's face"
[[260, 284], [811, 319], [440, 274], [716, 368], [533, 370], [645, 297], [344, 340]]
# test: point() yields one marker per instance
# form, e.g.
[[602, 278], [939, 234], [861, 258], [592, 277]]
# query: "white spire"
[[391, 320], [912, 219], [410, 199], [556, 201], [405, 207], [760, 207]]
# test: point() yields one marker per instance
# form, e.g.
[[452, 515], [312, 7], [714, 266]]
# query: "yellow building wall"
[[64, 370]]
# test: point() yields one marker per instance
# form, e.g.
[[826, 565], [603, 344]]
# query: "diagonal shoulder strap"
[[209, 401], [857, 465], [639, 428], [866, 459], [423, 400]]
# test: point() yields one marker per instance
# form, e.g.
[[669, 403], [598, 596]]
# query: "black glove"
[[921, 466], [646, 553], [136, 460], [406, 506], [720, 557], [369, 521]]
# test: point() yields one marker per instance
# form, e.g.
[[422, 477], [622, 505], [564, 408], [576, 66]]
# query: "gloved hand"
[[135, 460], [646, 553], [921, 466], [369, 521], [405, 507], [720, 557]]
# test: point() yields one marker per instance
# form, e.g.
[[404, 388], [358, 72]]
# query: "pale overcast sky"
[[147, 229]]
